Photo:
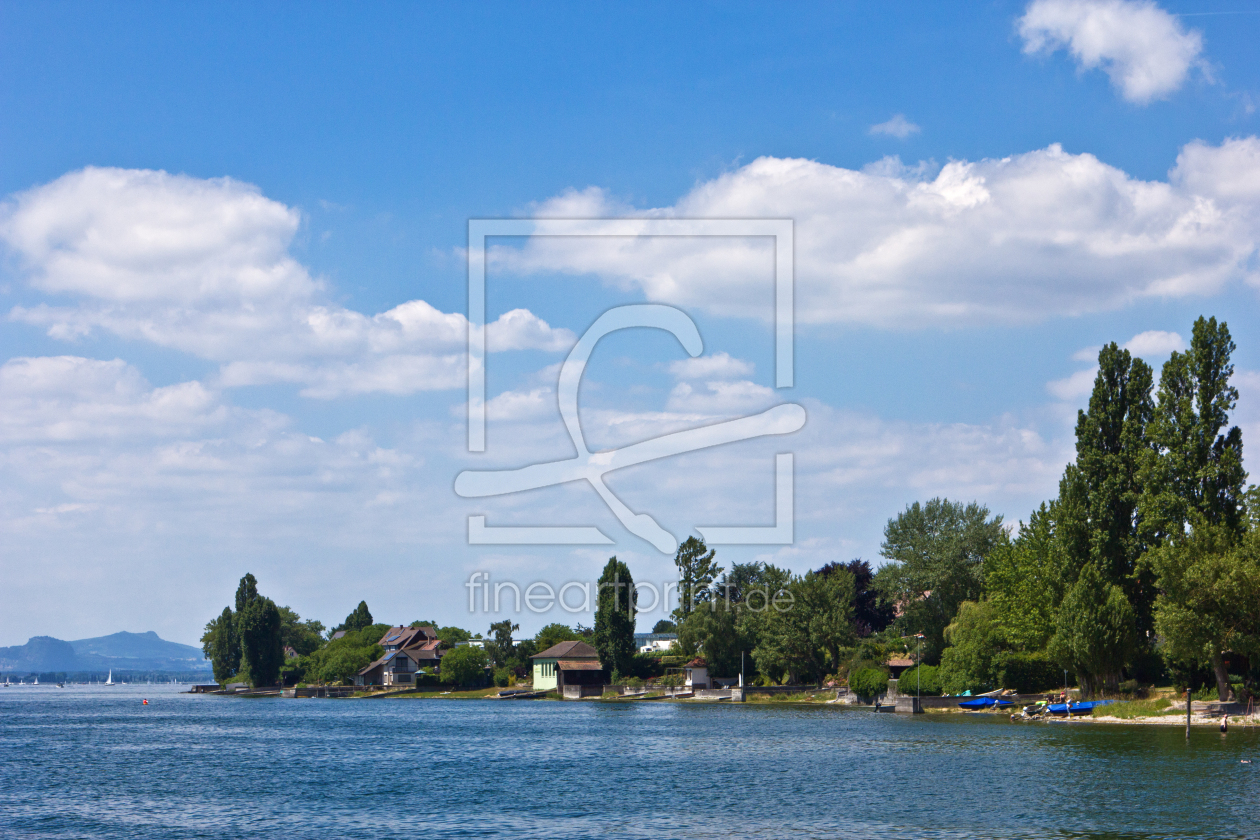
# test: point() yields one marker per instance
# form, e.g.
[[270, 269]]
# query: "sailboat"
[[110, 681]]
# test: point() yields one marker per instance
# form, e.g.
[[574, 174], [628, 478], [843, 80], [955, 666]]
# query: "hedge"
[[868, 682], [929, 681]]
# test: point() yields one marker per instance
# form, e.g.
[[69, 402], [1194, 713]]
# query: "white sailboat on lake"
[[110, 680]]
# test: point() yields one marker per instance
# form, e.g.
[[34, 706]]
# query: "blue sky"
[[199, 381]]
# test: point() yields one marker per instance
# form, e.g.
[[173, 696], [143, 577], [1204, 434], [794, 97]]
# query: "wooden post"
[[1188, 695]]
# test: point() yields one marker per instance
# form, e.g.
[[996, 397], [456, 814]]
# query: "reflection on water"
[[85, 762]]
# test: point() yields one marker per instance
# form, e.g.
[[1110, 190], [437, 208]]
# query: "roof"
[[900, 663], [698, 662], [338, 635], [568, 650], [579, 665]]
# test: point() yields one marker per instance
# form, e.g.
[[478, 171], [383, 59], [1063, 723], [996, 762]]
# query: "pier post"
[[1188, 695]]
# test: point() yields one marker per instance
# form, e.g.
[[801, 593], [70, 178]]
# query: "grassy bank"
[[1131, 709]]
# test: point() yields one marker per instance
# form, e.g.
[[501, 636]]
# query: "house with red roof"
[[408, 651]]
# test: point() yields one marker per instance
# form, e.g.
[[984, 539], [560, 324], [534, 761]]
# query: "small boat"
[[110, 680], [1082, 707], [978, 703]]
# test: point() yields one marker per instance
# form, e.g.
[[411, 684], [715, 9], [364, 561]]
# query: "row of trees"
[[248, 643], [1145, 564]]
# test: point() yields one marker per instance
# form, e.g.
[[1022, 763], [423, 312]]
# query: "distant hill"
[[119, 652]]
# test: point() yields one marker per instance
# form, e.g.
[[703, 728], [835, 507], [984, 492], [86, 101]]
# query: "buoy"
[[146, 702]]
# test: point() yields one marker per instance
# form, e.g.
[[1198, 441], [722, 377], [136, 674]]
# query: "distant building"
[[897, 666], [655, 642], [408, 650], [568, 663]]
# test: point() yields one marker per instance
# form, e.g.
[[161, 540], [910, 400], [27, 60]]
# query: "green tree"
[[340, 659], [246, 591], [1095, 631], [1195, 470], [714, 631], [1024, 581], [502, 649], [359, 618], [937, 553], [465, 665], [971, 661], [1101, 522], [221, 646], [614, 617], [554, 634], [804, 631], [696, 573], [664, 626], [451, 636], [261, 651], [305, 637], [1210, 603]]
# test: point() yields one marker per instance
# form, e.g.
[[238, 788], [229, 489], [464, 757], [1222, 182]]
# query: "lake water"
[[83, 762]]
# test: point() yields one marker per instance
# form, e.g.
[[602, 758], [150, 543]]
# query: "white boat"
[[110, 680]]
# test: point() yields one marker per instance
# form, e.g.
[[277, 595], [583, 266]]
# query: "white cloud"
[[721, 398], [719, 365], [898, 127], [1020, 239], [202, 266], [1145, 50], [1154, 344], [1074, 387]]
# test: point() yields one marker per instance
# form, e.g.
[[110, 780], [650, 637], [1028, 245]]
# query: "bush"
[[1028, 673], [465, 665], [928, 677], [868, 682], [502, 677]]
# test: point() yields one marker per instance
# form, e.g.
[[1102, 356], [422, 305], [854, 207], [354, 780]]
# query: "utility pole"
[[1188, 695]]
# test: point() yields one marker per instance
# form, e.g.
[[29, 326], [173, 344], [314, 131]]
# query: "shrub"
[[1028, 673], [465, 665], [502, 677], [928, 680], [868, 682]]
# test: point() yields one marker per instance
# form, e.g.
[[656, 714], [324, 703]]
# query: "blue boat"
[[977, 703], [1083, 707]]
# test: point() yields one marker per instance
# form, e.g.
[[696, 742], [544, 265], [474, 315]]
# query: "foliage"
[[869, 682], [554, 634], [1027, 673], [1102, 489], [501, 649], [870, 613], [451, 636], [339, 660], [1196, 465], [221, 646], [1095, 632], [696, 573], [925, 679], [1023, 581], [1210, 599], [502, 677], [465, 665], [246, 591], [359, 618], [664, 626], [969, 663], [937, 551], [801, 633], [614, 616], [261, 651], [305, 637], [714, 629]]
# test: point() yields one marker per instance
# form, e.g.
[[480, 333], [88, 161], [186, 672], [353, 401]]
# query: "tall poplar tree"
[[221, 646], [696, 573], [614, 617]]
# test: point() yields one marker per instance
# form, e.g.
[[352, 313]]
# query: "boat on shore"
[[1082, 707], [976, 704]]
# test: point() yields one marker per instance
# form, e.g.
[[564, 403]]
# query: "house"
[[654, 642], [897, 665], [696, 673], [568, 663], [408, 650]]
